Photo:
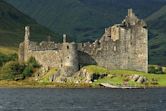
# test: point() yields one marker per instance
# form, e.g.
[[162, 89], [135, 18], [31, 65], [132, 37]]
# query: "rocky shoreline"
[[28, 84]]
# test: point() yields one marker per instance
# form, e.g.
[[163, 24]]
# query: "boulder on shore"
[[138, 78]]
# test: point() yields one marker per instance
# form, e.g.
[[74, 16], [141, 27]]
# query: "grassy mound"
[[96, 69], [47, 76], [119, 77]]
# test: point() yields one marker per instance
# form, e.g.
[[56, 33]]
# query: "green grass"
[[117, 77], [35, 84], [96, 69], [8, 50], [46, 77]]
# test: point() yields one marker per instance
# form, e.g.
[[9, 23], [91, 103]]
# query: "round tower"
[[27, 33], [70, 58]]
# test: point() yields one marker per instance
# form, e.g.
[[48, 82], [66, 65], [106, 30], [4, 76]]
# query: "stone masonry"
[[122, 46]]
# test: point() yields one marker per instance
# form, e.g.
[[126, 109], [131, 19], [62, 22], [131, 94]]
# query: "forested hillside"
[[12, 23], [85, 20]]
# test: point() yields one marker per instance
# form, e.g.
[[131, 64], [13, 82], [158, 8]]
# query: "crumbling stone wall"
[[44, 45], [70, 59], [48, 58], [122, 46]]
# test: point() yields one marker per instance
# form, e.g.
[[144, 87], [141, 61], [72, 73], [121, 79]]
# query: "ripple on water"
[[82, 100]]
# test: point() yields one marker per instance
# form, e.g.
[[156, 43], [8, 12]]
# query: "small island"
[[119, 59]]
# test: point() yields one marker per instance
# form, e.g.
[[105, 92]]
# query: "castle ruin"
[[123, 46]]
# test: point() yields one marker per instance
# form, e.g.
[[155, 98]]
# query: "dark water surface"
[[82, 100]]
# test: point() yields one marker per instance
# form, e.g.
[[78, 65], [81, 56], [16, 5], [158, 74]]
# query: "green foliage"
[[157, 42], [11, 69], [5, 58], [119, 77], [96, 69], [100, 14], [28, 71], [47, 76], [33, 63], [12, 26], [151, 69], [155, 69], [159, 70], [84, 18]]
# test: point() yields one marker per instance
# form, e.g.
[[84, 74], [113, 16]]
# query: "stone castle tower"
[[70, 57], [23, 48], [122, 46]]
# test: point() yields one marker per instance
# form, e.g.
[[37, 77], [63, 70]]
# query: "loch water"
[[83, 99]]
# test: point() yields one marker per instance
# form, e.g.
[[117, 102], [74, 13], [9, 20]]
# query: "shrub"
[[3, 59], [151, 69], [28, 71], [155, 69], [6, 58], [159, 70], [11, 69], [32, 62]]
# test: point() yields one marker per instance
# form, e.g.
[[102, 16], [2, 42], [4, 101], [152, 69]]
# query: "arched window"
[[67, 47]]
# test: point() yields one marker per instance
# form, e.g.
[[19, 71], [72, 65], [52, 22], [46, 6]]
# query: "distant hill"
[[83, 19], [157, 42], [12, 24]]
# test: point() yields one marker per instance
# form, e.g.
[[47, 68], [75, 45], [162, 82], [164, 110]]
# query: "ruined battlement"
[[132, 20], [122, 46], [44, 45]]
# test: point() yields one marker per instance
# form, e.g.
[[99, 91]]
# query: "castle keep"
[[122, 46]]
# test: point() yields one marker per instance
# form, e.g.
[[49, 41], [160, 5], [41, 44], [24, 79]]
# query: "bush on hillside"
[[155, 69], [11, 69], [6, 58], [28, 71], [33, 63]]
